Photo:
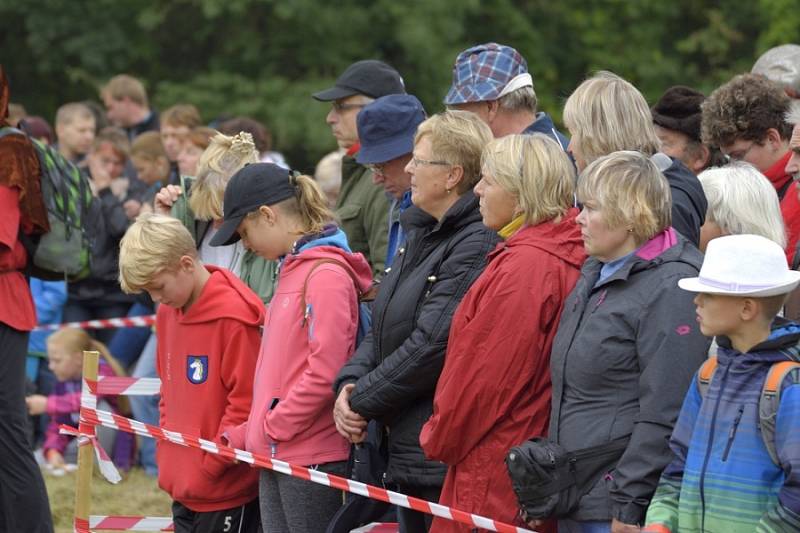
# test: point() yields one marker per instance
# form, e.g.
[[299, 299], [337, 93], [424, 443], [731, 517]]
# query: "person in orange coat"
[[494, 391]]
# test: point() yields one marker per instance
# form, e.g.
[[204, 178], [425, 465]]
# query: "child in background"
[[309, 333], [65, 350], [208, 327], [724, 478]]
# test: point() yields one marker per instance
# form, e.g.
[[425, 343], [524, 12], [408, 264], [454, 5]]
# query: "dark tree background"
[[265, 57]]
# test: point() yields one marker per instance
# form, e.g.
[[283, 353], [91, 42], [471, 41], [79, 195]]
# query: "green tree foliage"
[[264, 58]]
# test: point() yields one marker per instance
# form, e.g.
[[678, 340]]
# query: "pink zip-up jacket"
[[291, 417]]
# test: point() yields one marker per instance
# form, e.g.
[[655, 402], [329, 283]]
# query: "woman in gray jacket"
[[628, 343]]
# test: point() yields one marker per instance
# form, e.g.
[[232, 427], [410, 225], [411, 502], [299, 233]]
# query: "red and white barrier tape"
[[91, 415], [113, 385], [105, 323], [131, 523]]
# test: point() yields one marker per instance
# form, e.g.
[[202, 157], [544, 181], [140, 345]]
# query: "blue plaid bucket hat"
[[482, 72]]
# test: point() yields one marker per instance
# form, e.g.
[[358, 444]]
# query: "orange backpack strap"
[[705, 374], [769, 402]]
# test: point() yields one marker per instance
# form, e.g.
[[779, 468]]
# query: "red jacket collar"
[[353, 150], [776, 174]]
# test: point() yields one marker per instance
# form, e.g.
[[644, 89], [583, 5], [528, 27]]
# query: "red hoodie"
[[790, 205], [206, 359], [500, 342]]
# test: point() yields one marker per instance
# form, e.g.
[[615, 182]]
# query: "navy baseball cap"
[[369, 77], [387, 126], [251, 187]]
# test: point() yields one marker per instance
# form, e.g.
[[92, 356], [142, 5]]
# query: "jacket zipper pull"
[[732, 433], [273, 449]]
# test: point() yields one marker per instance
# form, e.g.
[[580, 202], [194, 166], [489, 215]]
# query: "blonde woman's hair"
[[74, 340], [224, 156], [153, 244], [534, 169], [457, 137], [631, 191], [309, 205], [607, 114], [742, 201]]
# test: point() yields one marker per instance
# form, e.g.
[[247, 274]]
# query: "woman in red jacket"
[[494, 391]]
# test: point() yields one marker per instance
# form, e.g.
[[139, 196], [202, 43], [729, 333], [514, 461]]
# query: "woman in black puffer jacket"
[[392, 376]]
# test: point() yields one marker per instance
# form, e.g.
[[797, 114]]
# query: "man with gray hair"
[[492, 81], [75, 129], [781, 64]]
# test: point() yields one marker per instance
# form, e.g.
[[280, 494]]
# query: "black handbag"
[[549, 481], [367, 464]]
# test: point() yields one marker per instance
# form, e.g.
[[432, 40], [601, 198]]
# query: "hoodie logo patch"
[[197, 368]]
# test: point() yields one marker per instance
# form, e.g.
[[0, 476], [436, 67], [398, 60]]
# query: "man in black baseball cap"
[[362, 206]]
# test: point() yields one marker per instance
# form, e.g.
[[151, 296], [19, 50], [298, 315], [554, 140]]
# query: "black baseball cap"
[[251, 187], [369, 77]]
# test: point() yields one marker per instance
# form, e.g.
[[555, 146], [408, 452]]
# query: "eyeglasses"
[[377, 169], [739, 155], [416, 161], [340, 107]]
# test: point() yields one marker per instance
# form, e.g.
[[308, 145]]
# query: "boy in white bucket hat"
[[736, 465]]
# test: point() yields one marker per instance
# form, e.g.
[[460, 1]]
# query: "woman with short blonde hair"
[[740, 201], [627, 345], [607, 114], [503, 329]]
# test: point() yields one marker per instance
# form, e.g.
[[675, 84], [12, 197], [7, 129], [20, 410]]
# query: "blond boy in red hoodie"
[[208, 340]]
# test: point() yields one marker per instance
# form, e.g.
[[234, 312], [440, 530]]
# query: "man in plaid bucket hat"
[[492, 81]]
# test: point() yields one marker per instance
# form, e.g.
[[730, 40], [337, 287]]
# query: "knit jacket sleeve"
[[116, 221], [784, 514], [412, 370], [238, 365], [668, 343], [662, 515], [331, 299]]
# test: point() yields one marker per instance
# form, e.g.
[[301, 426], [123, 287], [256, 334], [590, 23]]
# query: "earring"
[[448, 191]]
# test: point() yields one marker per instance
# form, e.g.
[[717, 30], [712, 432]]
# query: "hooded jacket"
[[302, 350], [205, 359], [689, 204], [622, 361], [786, 188], [397, 365], [721, 478], [544, 124], [501, 334]]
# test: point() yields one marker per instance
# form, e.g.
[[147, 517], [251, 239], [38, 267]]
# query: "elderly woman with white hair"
[[740, 201], [627, 344], [607, 114]]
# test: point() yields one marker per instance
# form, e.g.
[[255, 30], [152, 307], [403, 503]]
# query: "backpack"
[[65, 251], [364, 310], [768, 402]]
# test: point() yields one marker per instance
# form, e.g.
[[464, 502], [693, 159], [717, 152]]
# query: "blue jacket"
[[544, 124], [49, 298], [722, 478]]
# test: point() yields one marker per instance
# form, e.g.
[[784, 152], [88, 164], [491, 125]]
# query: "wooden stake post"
[[83, 484]]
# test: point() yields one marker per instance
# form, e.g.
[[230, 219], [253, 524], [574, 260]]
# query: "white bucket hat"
[[743, 265]]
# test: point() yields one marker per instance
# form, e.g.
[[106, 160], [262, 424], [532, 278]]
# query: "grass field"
[[136, 494]]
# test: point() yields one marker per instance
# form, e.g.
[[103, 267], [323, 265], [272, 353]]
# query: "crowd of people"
[[445, 288]]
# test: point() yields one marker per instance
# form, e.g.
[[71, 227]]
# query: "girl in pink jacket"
[[309, 333]]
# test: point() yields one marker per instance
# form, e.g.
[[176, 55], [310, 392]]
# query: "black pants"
[[243, 519], [413, 521], [24, 507]]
